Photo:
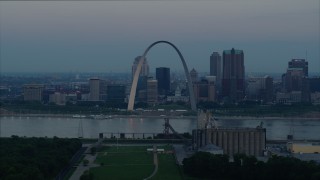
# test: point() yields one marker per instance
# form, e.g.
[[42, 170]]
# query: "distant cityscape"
[[225, 83]]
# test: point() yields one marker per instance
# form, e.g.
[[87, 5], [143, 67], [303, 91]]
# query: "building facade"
[[233, 75], [163, 77], [116, 93], [194, 75], [152, 92], [33, 92], [249, 141], [215, 67], [299, 63], [296, 79], [260, 88], [204, 90], [98, 89]]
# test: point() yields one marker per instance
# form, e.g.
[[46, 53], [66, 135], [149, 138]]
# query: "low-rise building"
[[289, 98], [249, 141], [296, 147], [58, 98]]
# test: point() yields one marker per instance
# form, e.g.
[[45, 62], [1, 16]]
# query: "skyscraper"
[[204, 90], [215, 67], [152, 91], [233, 75], [296, 78], [98, 89], [163, 77], [299, 63], [144, 68], [194, 75]]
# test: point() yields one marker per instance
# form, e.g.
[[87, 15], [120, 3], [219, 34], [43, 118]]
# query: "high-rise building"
[[33, 92], [194, 75], [296, 79], [299, 63], [142, 89], [98, 89], [116, 93], [314, 84], [293, 79], [260, 88], [204, 90], [163, 77], [215, 67], [144, 68], [152, 91], [233, 75]]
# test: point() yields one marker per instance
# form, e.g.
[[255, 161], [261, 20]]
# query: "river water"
[[277, 128]]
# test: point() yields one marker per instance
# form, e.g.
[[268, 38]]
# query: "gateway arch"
[[137, 73]]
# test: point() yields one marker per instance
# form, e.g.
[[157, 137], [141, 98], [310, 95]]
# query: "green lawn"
[[134, 172], [134, 162], [168, 169], [125, 158], [129, 162]]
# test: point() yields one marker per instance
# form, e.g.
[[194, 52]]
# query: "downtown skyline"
[[106, 36]]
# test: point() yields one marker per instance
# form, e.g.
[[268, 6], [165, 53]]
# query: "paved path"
[[155, 162], [81, 168]]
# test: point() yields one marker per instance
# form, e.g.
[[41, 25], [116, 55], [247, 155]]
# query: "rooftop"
[[236, 51]]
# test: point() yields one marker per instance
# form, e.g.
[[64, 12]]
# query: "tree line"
[[204, 165], [35, 158]]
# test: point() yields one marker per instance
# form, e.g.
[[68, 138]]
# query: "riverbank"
[[77, 116]]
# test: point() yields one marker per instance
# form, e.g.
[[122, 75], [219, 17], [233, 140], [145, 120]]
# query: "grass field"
[[129, 162], [122, 172], [167, 169], [134, 162]]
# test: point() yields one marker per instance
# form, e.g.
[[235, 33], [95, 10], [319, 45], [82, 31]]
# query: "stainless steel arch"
[[136, 76]]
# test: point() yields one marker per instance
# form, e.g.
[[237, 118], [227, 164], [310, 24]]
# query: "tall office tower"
[[299, 63], [163, 77], [215, 67], [152, 92], [33, 92], [142, 85], [144, 68], [296, 78], [194, 75], [233, 75], [293, 79], [204, 90], [98, 89]]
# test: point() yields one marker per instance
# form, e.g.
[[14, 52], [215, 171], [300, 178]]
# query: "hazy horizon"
[[106, 36]]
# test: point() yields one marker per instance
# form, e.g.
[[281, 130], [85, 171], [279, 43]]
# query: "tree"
[[85, 162], [86, 176]]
